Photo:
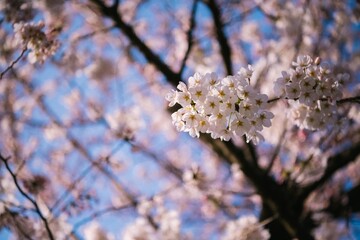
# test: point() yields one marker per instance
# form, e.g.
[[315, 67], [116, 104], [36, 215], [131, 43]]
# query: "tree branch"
[[150, 56], [189, 36], [34, 203], [334, 163], [350, 100], [220, 35], [13, 63], [271, 192]]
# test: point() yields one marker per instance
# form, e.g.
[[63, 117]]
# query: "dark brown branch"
[[91, 34], [278, 199], [225, 51], [13, 63], [349, 100], [334, 163], [338, 208], [273, 99], [220, 35], [150, 56], [34, 203], [116, 4], [189, 37]]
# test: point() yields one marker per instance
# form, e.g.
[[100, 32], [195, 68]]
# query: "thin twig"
[[91, 34], [276, 152], [355, 99], [13, 63], [38, 211], [81, 176], [97, 214], [273, 100]]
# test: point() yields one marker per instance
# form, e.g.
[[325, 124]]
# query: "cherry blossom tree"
[[193, 119]]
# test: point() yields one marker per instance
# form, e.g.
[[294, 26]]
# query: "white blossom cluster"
[[224, 108], [31, 36], [315, 88], [245, 228]]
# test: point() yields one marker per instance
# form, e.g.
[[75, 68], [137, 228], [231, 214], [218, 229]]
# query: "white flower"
[[307, 84], [292, 90], [323, 89], [247, 109], [198, 93], [308, 98], [327, 107], [246, 72], [211, 80], [265, 118], [212, 105], [261, 101], [279, 85], [342, 78], [203, 124], [256, 124], [297, 75], [240, 125], [218, 121], [230, 82], [225, 134], [310, 85], [245, 92], [302, 61], [183, 97], [195, 80], [312, 71], [227, 108], [224, 108], [325, 69], [222, 92], [172, 97], [177, 120]]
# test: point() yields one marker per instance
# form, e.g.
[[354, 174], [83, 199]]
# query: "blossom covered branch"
[[222, 107]]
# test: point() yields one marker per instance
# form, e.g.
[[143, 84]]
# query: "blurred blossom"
[[245, 228], [93, 231]]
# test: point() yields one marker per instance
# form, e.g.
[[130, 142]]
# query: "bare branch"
[[13, 63], [349, 100], [34, 203]]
